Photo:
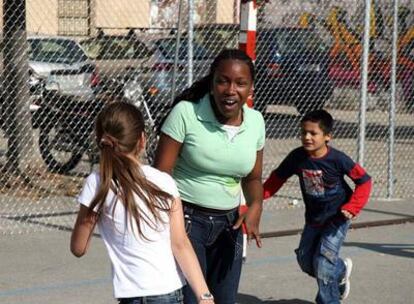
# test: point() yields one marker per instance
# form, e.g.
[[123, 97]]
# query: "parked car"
[[217, 36], [292, 68], [59, 62], [131, 60], [157, 78], [116, 55]]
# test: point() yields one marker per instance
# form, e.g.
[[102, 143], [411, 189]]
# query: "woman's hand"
[[250, 221], [253, 192]]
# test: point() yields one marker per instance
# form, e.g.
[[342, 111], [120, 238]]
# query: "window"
[[55, 51], [73, 17]]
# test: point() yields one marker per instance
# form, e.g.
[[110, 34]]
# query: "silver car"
[[61, 64], [158, 77]]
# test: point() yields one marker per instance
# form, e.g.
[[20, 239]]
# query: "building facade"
[[84, 17]]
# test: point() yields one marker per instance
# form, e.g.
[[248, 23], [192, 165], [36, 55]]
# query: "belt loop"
[[188, 210], [230, 217]]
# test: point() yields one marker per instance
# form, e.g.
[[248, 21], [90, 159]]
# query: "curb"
[[290, 232]]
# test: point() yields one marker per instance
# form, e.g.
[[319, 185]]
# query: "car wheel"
[[59, 155]]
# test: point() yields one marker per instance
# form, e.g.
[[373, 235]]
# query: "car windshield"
[[110, 48], [291, 41], [167, 49], [217, 38], [55, 51]]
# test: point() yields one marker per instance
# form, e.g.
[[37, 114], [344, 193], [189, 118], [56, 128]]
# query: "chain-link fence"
[[74, 55], [310, 55]]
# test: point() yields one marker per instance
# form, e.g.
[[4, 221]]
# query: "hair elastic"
[[107, 140]]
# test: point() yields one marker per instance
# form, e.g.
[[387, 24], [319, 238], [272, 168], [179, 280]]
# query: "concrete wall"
[[225, 11], [122, 13], [42, 15]]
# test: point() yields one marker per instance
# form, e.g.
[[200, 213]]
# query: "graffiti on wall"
[[340, 24]]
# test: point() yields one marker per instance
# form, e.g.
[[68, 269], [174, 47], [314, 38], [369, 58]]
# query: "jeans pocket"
[[329, 251], [236, 237], [325, 268]]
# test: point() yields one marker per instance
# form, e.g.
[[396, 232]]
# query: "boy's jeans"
[[219, 249], [318, 256], [175, 297]]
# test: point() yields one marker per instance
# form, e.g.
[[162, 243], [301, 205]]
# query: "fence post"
[[177, 47], [364, 83], [247, 43], [391, 111], [247, 38], [190, 37]]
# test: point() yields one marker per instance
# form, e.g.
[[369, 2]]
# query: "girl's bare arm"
[[184, 253], [167, 153], [83, 230]]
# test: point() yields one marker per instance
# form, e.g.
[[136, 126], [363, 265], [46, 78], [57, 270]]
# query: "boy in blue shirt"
[[330, 203]]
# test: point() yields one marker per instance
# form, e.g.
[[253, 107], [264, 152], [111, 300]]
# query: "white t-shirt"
[[232, 131], [139, 267]]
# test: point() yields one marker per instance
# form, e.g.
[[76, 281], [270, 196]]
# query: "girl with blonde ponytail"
[[139, 216]]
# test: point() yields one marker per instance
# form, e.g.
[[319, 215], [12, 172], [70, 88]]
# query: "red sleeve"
[[363, 186], [272, 185]]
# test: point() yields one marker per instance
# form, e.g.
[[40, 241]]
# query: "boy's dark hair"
[[322, 117]]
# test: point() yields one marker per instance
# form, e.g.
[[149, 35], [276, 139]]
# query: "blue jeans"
[[175, 297], [219, 249], [318, 256]]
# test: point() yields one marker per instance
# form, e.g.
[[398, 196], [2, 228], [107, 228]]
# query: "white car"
[[61, 64]]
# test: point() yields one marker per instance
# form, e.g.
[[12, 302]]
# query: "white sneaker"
[[345, 285]]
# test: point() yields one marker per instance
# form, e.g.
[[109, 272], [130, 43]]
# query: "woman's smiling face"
[[232, 85]]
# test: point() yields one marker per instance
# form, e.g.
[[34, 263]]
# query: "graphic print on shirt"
[[313, 181]]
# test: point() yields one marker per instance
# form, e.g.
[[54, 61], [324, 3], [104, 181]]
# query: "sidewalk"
[[38, 268]]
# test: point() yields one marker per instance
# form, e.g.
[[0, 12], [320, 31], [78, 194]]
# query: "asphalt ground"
[[39, 268]]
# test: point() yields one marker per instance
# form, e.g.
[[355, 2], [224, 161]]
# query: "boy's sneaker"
[[345, 285]]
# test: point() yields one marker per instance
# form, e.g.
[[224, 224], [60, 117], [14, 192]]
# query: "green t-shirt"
[[210, 166]]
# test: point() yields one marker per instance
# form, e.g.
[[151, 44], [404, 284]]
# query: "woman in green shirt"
[[212, 144]]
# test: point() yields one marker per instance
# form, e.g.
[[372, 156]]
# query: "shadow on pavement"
[[248, 299], [388, 212], [402, 250]]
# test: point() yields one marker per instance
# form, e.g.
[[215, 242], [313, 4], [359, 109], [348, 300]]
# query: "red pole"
[[247, 43], [247, 38]]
